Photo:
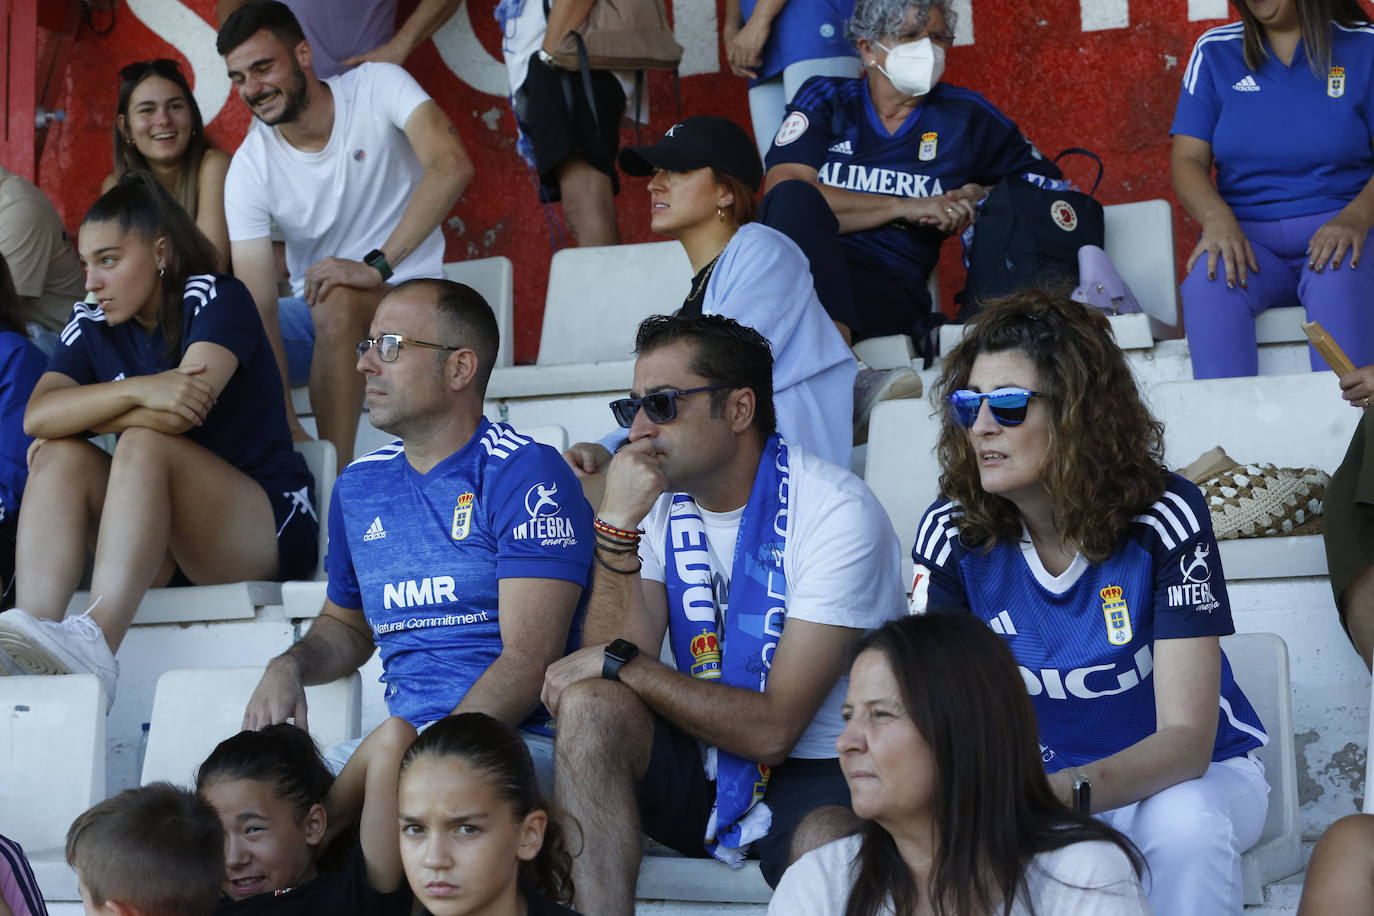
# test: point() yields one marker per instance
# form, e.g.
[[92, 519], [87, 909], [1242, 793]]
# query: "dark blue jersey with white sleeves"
[[247, 425], [1286, 141], [953, 136], [422, 555], [1084, 640]]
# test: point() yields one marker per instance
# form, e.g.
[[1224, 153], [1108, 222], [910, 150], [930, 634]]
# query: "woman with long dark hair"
[[203, 486], [1060, 527], [942, 759], [21, 364], [158, 127], [1281, 104]]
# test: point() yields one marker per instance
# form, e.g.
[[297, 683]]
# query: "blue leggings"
[[1221, 321]]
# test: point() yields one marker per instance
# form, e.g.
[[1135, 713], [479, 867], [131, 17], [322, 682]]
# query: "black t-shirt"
[[538, 906], [339, 893]]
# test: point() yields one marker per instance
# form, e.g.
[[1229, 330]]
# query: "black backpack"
[[1027, 235]]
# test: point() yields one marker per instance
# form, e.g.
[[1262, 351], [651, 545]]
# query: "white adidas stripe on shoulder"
[[201, 288], [935, 539], [83, 312], [385, 453], [1172, 518], [500, 441], [1234, 31], [1366, 29]]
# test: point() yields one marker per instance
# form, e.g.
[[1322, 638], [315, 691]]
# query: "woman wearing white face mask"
[[900, 157]]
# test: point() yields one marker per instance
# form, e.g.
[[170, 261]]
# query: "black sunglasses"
[[162, 66], [1008, 405], [659, 407]]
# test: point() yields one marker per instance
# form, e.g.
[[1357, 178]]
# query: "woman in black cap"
[[705, 170]]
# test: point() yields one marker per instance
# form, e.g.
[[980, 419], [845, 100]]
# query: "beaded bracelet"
[[613, 531]]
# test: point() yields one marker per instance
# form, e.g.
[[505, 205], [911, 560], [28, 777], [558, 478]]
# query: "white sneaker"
[[75, 645], [8, 667], [874, 385]]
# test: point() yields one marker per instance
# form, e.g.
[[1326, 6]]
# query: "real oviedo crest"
[[1335, 82], [1118, 617], [929, 140]]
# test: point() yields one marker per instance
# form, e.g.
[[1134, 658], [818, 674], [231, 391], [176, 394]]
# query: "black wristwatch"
[[375, 258], [618, 654]]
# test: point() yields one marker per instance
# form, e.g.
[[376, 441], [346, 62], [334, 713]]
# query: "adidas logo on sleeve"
[[1246, 85]]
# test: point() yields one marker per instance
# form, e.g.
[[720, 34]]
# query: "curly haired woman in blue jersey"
[[1061, 528]]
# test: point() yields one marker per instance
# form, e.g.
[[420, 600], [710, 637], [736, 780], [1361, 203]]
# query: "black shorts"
[[554, 114], [675, 798], [295, 524]]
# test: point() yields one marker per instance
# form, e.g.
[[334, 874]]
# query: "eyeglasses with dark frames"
[[1008, 405], [659, 406], [389, 346]]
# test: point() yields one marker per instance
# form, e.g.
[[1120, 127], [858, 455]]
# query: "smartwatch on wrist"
[[618, 654], [375, 258]]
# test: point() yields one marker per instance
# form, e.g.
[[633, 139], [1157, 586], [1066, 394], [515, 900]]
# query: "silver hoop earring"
[[160, 272]]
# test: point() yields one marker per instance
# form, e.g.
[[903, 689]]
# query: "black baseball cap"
[[698, 142]]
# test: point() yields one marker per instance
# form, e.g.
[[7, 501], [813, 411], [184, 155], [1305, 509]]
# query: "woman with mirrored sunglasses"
[[158, 127], [1059, 525]]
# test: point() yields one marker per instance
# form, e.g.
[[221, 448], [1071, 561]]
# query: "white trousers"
[[1193, 834], [768, 100]]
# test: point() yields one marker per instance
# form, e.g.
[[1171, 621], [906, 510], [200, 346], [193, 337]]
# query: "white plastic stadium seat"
[[667, 875], [52, 756], [196, 708], [1287, 420], [1259, 662], [494, 278], [902, 469], [234, 600], [598, 296], [1140, 242]]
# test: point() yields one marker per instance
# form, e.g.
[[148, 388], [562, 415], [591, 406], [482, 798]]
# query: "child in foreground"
[[152, 851], [476, 838], [280, 808]]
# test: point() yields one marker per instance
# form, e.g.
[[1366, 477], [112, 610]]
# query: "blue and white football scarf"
[[737, 651]]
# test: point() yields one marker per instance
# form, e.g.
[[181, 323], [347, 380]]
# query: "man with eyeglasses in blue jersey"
[[461, 550], [761, 563]]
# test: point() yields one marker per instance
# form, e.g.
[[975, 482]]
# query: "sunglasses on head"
[[389, 346], [1008, 405], [659, 407], [163, 66]]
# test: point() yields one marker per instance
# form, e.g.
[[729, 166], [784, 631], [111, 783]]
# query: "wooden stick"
[[1328, 348]]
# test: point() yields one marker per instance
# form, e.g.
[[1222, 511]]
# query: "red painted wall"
[[1112, 91]]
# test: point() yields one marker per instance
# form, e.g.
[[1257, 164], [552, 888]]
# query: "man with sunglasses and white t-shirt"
[[761, 563], [461, 551]]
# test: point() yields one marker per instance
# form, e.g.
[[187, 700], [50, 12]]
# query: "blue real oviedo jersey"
[[1085, 640]]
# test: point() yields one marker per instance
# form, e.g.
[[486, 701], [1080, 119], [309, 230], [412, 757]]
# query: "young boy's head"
[[153, 851]]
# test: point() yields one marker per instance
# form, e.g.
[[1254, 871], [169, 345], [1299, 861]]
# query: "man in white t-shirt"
[[358, 171], [762, 563]]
